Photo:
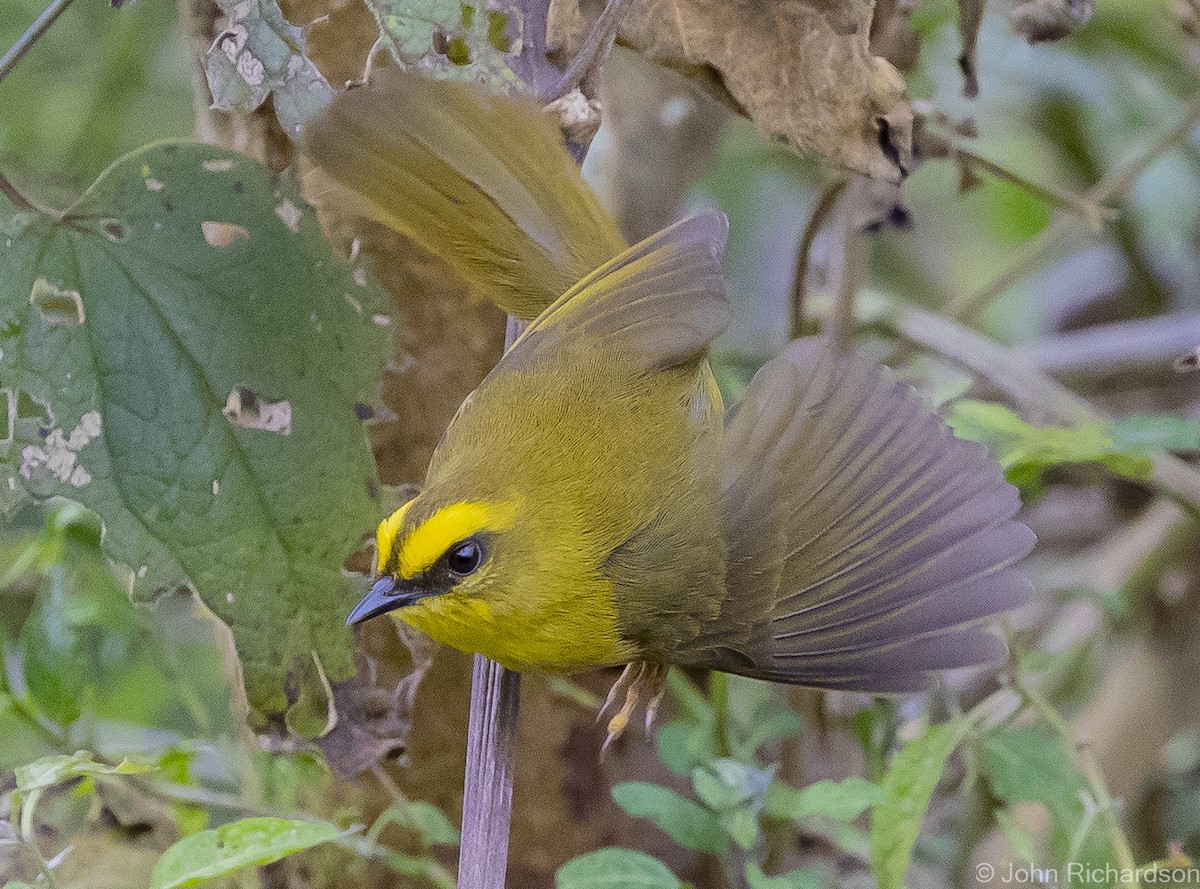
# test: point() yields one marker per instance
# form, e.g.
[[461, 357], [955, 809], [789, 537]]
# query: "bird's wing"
[[659, 304], [866, 543], [481, 180]]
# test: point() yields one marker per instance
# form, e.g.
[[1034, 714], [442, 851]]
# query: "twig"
[[854, 255], [32, 35], [1122, 347], [593, 52], [804, 251], [1026, 384], [10, 192], [970, 305], [1094, 214], [1084, 758]]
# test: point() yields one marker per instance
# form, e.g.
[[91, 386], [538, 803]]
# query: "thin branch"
[[1094, 214], [49, 15], [969, 305], [854, 260], [593, 52], [1123, 347], [1024, 383], [10, 191], [1084, 757], [820, 213], [487, 792]]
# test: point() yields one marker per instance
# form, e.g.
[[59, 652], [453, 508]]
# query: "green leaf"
[[615, 868], [17, 884], [245, 843], [1024, 764], [478, 42], [1142, 432], [683, 745], [804, 878], [909, 783], [1024, 844], [1026, 450], [686, 822], [429, 821], [82, 636], [735, 791], [839, 800], [21, 739], [51, 770], [200, 365], [260, 54]]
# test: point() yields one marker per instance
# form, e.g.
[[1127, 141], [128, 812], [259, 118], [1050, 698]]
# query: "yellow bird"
[[593, 503]]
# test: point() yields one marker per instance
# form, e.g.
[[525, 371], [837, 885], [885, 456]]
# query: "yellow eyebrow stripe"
[[385, 535], [430, 539]]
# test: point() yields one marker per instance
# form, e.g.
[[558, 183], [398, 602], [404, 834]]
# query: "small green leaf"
[[735, 791], [1026, 450], [1142, 432], [683, 745], [909, 783], [51, 770], [839, 800], [1024, 764], [1023, 843], [686, 822], [804, 878], [727, 783], [615, 868], [433, 826], [17, 884], [245, 843]]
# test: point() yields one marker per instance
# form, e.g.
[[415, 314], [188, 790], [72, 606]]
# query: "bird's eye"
[[465, 558]]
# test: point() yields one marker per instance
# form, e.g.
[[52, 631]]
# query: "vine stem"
[[820, 214], [1084, 758], [32, 35]]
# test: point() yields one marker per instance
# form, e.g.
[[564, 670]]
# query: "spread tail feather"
[[481, 180], [867, 544]]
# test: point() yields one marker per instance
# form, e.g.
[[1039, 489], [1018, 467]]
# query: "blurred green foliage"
[[102, 82], [89, 679]]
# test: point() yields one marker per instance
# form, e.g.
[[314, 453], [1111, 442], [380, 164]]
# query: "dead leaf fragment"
[[56, 305], [1041, 20], [222, 234], [970, 17], [802, 70], [244, 408]]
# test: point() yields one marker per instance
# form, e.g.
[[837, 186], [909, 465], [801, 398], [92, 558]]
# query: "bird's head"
[[436, 554]]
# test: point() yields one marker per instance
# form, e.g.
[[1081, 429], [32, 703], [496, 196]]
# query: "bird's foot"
[[638, 680]]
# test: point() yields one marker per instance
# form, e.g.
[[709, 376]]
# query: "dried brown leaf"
[[802, 70], [970, 17], [1041, 20]]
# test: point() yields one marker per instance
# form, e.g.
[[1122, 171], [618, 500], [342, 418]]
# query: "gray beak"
[[386, 595]]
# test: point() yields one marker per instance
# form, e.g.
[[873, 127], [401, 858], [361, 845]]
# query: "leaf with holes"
[[181, 354], [479, 42], [260, 54]]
